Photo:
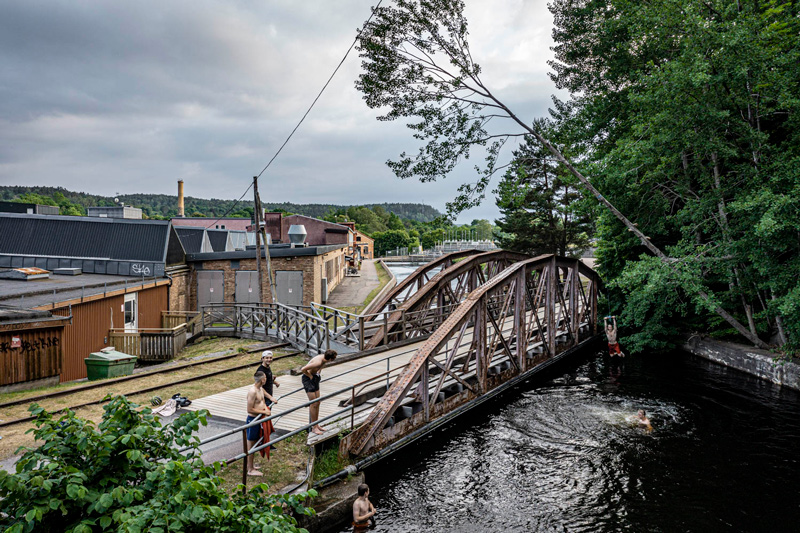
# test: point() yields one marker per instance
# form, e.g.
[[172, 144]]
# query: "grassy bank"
[[14, 436]]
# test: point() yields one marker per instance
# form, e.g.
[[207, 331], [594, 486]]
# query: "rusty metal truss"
[[406, 288], [422, 303], [515, 315]]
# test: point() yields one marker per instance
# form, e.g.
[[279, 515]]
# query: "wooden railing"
[[149, 344], [192, 319]]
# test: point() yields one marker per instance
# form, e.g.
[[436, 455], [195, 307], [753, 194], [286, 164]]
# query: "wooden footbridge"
[[457, 332]]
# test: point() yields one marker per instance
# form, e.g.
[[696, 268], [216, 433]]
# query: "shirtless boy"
[[611, 333], [363, 510], [256, 406], [311, 378], [642, 420]]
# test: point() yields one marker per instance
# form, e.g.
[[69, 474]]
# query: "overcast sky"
[[128, 97]]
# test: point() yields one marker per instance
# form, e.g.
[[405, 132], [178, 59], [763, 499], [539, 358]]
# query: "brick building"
[[303, 275], [318, 232], [230, 223]]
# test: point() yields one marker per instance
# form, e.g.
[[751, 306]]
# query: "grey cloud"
[[112, 97]]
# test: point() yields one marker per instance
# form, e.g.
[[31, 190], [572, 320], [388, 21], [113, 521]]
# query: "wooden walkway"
[[231, 404]]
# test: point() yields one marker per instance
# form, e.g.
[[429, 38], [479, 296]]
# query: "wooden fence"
[[154, 345]]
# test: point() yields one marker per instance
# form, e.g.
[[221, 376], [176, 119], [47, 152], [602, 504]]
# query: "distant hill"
[[166, 206]]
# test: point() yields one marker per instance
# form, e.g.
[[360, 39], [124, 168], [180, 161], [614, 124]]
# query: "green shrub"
[[126, 475]]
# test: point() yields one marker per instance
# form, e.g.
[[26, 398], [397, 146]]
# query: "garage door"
[[210, 288], [246, 287], [289, 286]]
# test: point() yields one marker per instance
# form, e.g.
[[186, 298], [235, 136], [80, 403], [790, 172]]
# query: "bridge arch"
[[416, 280], [423, 307], [516, 322]]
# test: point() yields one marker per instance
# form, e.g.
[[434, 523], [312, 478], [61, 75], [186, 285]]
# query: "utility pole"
[[259, 235], [257, 217]]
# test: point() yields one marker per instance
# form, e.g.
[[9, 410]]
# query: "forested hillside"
[[165, 206]]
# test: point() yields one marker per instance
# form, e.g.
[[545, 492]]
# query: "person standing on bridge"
[[266, 361], [256, 406], [611, 333], [311, 378]]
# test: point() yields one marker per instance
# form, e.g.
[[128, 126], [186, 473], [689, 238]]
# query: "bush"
[[127, 475]]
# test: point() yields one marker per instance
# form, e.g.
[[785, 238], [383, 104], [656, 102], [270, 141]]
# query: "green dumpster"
[[110, 364]]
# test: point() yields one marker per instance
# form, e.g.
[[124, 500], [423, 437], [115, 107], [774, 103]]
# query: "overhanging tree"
[[418, 64]]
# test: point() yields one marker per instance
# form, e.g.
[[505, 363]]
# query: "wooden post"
[[360, 332], [244, 461], [257, 216]]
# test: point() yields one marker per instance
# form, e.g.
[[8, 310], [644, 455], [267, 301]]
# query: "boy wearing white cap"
[[266, 361]]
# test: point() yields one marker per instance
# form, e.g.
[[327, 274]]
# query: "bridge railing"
[[346, 414], [304, 330]]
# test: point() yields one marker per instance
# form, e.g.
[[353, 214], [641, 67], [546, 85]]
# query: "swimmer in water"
[[642, 420]]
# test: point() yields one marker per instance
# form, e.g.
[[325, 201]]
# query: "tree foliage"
[[540, 203], [627, 65], [166, 205], [127, 475], [693, 123], [390, 240]]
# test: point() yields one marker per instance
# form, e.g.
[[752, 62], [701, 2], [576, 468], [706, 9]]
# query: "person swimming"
[[641, 419]]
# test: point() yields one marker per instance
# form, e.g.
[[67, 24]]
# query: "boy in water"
[[642, 420], [363, 511], [311, 378], [611, 333]]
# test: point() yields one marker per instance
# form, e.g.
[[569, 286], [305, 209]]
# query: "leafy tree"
[[692, 127], [417, 65], [389, 240], [432, 238], [394, 222], [127, 475]]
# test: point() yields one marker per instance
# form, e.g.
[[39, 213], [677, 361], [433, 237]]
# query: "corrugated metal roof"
[[191, 238], [219, 240], [83, 237]]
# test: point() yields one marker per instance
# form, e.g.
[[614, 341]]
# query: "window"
[[358, 239], [129, 312], [366, 250]]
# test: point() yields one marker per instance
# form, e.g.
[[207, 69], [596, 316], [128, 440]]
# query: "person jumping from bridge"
[[311, 378], [611, 333]]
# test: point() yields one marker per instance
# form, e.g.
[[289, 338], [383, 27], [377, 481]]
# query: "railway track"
[[141, 375]]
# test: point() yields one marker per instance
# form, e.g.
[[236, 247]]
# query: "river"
[[559, 454]]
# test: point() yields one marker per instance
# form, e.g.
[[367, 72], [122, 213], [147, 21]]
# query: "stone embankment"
[[761, 363]]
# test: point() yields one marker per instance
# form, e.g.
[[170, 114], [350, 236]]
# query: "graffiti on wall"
[[140, 270], [29, 346]]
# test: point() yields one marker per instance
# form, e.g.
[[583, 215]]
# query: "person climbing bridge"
[[611, 333]]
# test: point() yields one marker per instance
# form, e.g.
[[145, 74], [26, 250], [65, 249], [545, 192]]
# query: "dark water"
[[559, 454]]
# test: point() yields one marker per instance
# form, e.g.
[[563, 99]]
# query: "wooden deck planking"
[[231, 404]]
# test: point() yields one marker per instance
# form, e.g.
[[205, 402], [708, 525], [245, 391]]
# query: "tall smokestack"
[[180, 199]]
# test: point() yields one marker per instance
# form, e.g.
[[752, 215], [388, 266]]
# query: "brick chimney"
[[180, 199]]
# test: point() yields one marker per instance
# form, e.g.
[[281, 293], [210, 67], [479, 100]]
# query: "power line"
[[323, 88], [352, 45], [232, 206]]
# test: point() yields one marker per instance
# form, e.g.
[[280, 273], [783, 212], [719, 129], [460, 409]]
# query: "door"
[[131, 313], [247, 287], [210, 287], [290, 286]]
